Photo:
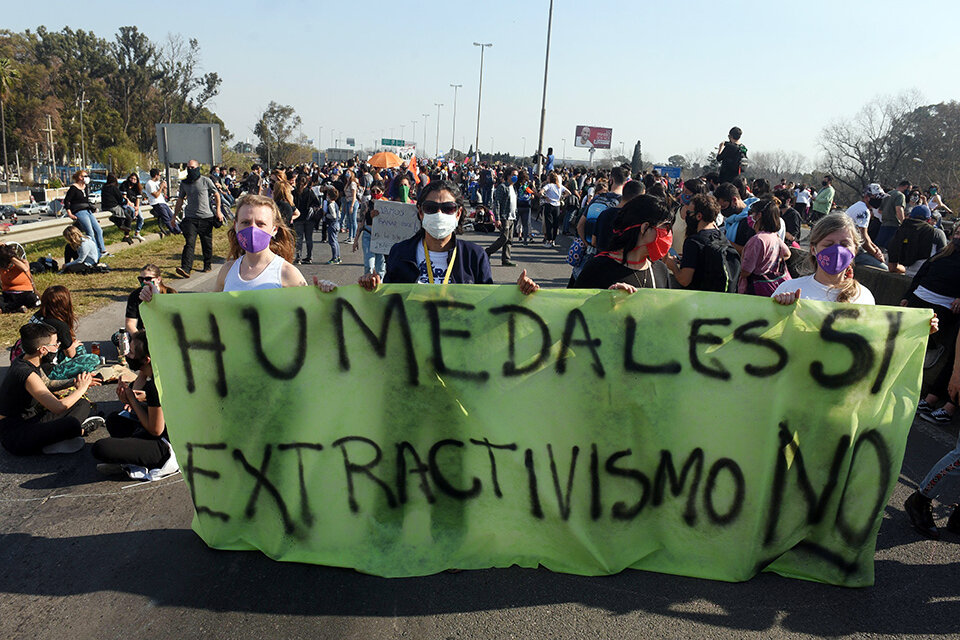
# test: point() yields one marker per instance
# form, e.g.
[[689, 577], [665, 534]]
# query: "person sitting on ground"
[[149, 275], [32, 419], [707, 254], [764, 263], [138, 439], [86, 251], [641, 235], [834, 241], [56, 310], [937, 286], [915, 241], [19, 295]]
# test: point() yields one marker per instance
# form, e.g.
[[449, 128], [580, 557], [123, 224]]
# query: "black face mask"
[[824, 183], [193, 173], [692, 222], [136, 364], [48, 358]]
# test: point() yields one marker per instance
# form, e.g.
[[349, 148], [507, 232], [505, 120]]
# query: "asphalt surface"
[[88, 557]]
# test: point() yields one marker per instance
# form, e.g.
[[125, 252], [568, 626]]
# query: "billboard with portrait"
[[592, 137]]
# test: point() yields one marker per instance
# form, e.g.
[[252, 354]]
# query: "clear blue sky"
[[674, 75]]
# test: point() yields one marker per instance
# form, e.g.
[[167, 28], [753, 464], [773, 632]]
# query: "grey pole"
[[425, 116], [543, 108], [453, 136], [438, 105], [482, 45], [83, 145], [414, 136]]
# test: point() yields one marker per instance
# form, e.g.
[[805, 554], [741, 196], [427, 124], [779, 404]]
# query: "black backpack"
[[720, 263]]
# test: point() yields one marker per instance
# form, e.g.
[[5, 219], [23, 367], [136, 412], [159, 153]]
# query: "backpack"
[[597, 206], [721, 265]]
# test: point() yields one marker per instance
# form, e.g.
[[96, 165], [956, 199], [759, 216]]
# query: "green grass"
[[93, 291]]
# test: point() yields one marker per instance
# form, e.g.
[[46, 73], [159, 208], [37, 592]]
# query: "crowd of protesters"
[[718, 232]]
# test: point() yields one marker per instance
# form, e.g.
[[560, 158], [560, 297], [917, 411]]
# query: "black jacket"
[[472, 265]]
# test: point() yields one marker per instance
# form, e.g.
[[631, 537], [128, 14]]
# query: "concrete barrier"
[[887, 288], [52, 228]]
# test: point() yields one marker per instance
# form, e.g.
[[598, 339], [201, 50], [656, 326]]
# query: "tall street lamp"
[[543, 107], [438, 105], [564, 140], [482, 45], [414, 136], [425, 116], [83, 147], [524, 146], [453, 136]]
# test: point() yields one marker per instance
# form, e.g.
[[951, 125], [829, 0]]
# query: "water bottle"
[[124, 346]]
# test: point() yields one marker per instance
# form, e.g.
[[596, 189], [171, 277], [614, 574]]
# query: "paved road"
[[85, 557]]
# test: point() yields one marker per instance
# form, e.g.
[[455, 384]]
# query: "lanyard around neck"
[[446, 276]]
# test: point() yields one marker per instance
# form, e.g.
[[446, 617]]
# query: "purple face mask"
[[253, 239], [835, 259]]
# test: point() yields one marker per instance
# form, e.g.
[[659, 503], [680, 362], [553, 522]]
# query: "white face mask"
[[86, 179], [440, 225]]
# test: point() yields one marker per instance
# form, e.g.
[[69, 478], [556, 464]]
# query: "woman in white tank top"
[[261, 248]]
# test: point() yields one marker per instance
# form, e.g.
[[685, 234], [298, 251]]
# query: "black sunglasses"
[[143, 280], [431, 206]]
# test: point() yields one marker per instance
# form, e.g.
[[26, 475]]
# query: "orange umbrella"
[[385, 160]]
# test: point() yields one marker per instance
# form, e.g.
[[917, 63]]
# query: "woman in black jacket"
[[78, 207], [937, 286], [308, 204], [113, 200]]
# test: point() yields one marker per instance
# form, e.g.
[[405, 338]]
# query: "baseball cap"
[[874, 190], [921, 212]]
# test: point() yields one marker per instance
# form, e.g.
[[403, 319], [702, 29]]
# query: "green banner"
[[421, 428]]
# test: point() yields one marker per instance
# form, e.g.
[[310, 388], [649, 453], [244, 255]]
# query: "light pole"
[[414, 137], [438, 105], [401, 132], [524, 146], [453, 136], [83, 147], [543, 107], [482, 45], [319, 141], [564, 141], [332, 131], [425, 116], [621, 147]]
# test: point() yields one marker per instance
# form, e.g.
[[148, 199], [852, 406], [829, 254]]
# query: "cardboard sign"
[[396, 221]]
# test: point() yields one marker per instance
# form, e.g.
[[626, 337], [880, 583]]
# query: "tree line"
[[124, 86]]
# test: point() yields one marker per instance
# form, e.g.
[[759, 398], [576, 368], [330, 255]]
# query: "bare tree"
[[874, 145]]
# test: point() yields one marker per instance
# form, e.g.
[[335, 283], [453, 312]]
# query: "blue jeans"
[[372, 262], [333, 228], [884, 236], [864, 259], [91, 227], [949, 465], [135, 215], [350, 218]]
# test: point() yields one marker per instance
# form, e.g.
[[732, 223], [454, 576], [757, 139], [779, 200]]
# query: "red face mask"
[[661, 246]]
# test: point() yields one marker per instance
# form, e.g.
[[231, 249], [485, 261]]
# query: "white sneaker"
[[137, 236], [71, 445]]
